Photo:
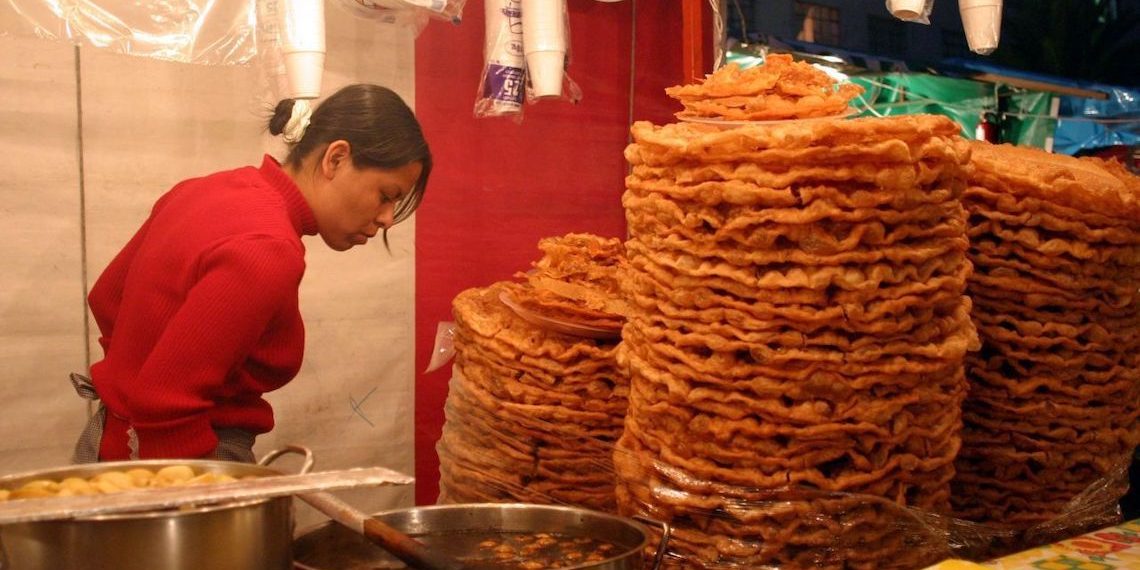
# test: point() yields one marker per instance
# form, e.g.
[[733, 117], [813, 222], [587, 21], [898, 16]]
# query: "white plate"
[[557, 325], [725, 123]]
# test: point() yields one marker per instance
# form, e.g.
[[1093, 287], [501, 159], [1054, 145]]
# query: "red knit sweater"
[[198, 313]]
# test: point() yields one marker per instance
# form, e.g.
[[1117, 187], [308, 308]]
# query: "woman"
[[198, 313]]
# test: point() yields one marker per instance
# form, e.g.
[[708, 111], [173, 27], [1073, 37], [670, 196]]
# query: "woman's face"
[[354, 204]]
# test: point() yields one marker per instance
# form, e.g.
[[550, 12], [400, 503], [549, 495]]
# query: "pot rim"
[[92, 469], [643, 529]]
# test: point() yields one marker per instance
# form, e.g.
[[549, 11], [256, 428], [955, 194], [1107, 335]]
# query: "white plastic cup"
[[981, 21], [503, 32], [544, 42], [908, 10], [304, 70], [302, 37], [545, 69]]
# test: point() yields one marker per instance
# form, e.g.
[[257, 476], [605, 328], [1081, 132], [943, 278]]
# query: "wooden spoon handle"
[[411, 551]]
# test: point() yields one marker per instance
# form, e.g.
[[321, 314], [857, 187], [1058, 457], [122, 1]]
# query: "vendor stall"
[[651, 314]]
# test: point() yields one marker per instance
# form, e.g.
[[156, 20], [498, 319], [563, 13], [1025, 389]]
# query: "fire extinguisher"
[[987, 129]]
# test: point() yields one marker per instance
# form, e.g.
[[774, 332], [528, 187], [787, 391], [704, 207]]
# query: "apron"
[[233, 444]]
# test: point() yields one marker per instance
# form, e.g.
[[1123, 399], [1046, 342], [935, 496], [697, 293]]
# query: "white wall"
[[91, 138]]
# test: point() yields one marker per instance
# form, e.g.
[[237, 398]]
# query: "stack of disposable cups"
[[981, 20], [302, 40], [544, 41], [504, 66]]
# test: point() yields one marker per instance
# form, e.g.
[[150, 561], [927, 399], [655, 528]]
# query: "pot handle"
[[665, 529], [306, 466]]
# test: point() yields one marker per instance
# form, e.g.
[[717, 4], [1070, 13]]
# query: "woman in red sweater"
[[198, 313]]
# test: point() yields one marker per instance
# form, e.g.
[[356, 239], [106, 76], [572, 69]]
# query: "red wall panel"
[[498, 187]]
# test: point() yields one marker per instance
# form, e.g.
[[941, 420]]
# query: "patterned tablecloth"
[[1112, 548], [1107, 549]]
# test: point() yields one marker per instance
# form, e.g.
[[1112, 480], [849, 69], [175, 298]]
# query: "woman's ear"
[[337, 155]]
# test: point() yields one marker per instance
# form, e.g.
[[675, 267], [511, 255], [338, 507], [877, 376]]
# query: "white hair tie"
[[298, 121]]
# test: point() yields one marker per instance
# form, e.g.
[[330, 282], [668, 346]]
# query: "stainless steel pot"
[[457, 529], [246, 535]]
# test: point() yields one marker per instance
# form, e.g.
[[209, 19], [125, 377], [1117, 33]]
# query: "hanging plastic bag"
[[444, 348], [447, 10], [571, 92], [981, 22], [546, 42], [402, 16], [502, 85], [917, 11]]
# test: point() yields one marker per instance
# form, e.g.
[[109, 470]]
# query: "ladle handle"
[[411, 551]]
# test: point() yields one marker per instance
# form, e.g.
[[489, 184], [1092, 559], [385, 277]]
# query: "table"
[[1112, 548], [1107, 549]]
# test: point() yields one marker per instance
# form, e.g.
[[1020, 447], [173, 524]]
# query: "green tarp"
[[1025, 116]]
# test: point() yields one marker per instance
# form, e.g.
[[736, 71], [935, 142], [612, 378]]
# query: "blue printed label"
[[503, 84]]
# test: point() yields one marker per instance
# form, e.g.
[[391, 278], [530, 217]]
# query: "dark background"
[[1091, 40]]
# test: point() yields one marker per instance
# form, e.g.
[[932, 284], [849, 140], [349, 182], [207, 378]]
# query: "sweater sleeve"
[[242, 284]]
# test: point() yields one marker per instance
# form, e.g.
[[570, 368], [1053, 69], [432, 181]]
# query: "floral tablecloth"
[[1113, 548], [1108, 549]]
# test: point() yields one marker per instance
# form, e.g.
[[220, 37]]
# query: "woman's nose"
[[384, 220]]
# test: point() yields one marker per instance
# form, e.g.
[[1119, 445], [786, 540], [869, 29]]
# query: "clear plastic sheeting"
[[206, 32], [416, 19], [216, 32]]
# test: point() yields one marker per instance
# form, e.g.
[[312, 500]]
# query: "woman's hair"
[[379, 127]]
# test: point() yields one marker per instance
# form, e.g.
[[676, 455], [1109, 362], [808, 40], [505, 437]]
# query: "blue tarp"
[[1083, 123], [1089, 123]]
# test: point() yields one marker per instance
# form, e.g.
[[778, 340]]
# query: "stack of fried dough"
[[577, 280], [780, 89], [532, 414], [799, 324], [1053, 399]]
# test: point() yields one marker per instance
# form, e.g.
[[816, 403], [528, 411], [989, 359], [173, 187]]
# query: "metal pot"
[[458, 529], [245, 535]]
